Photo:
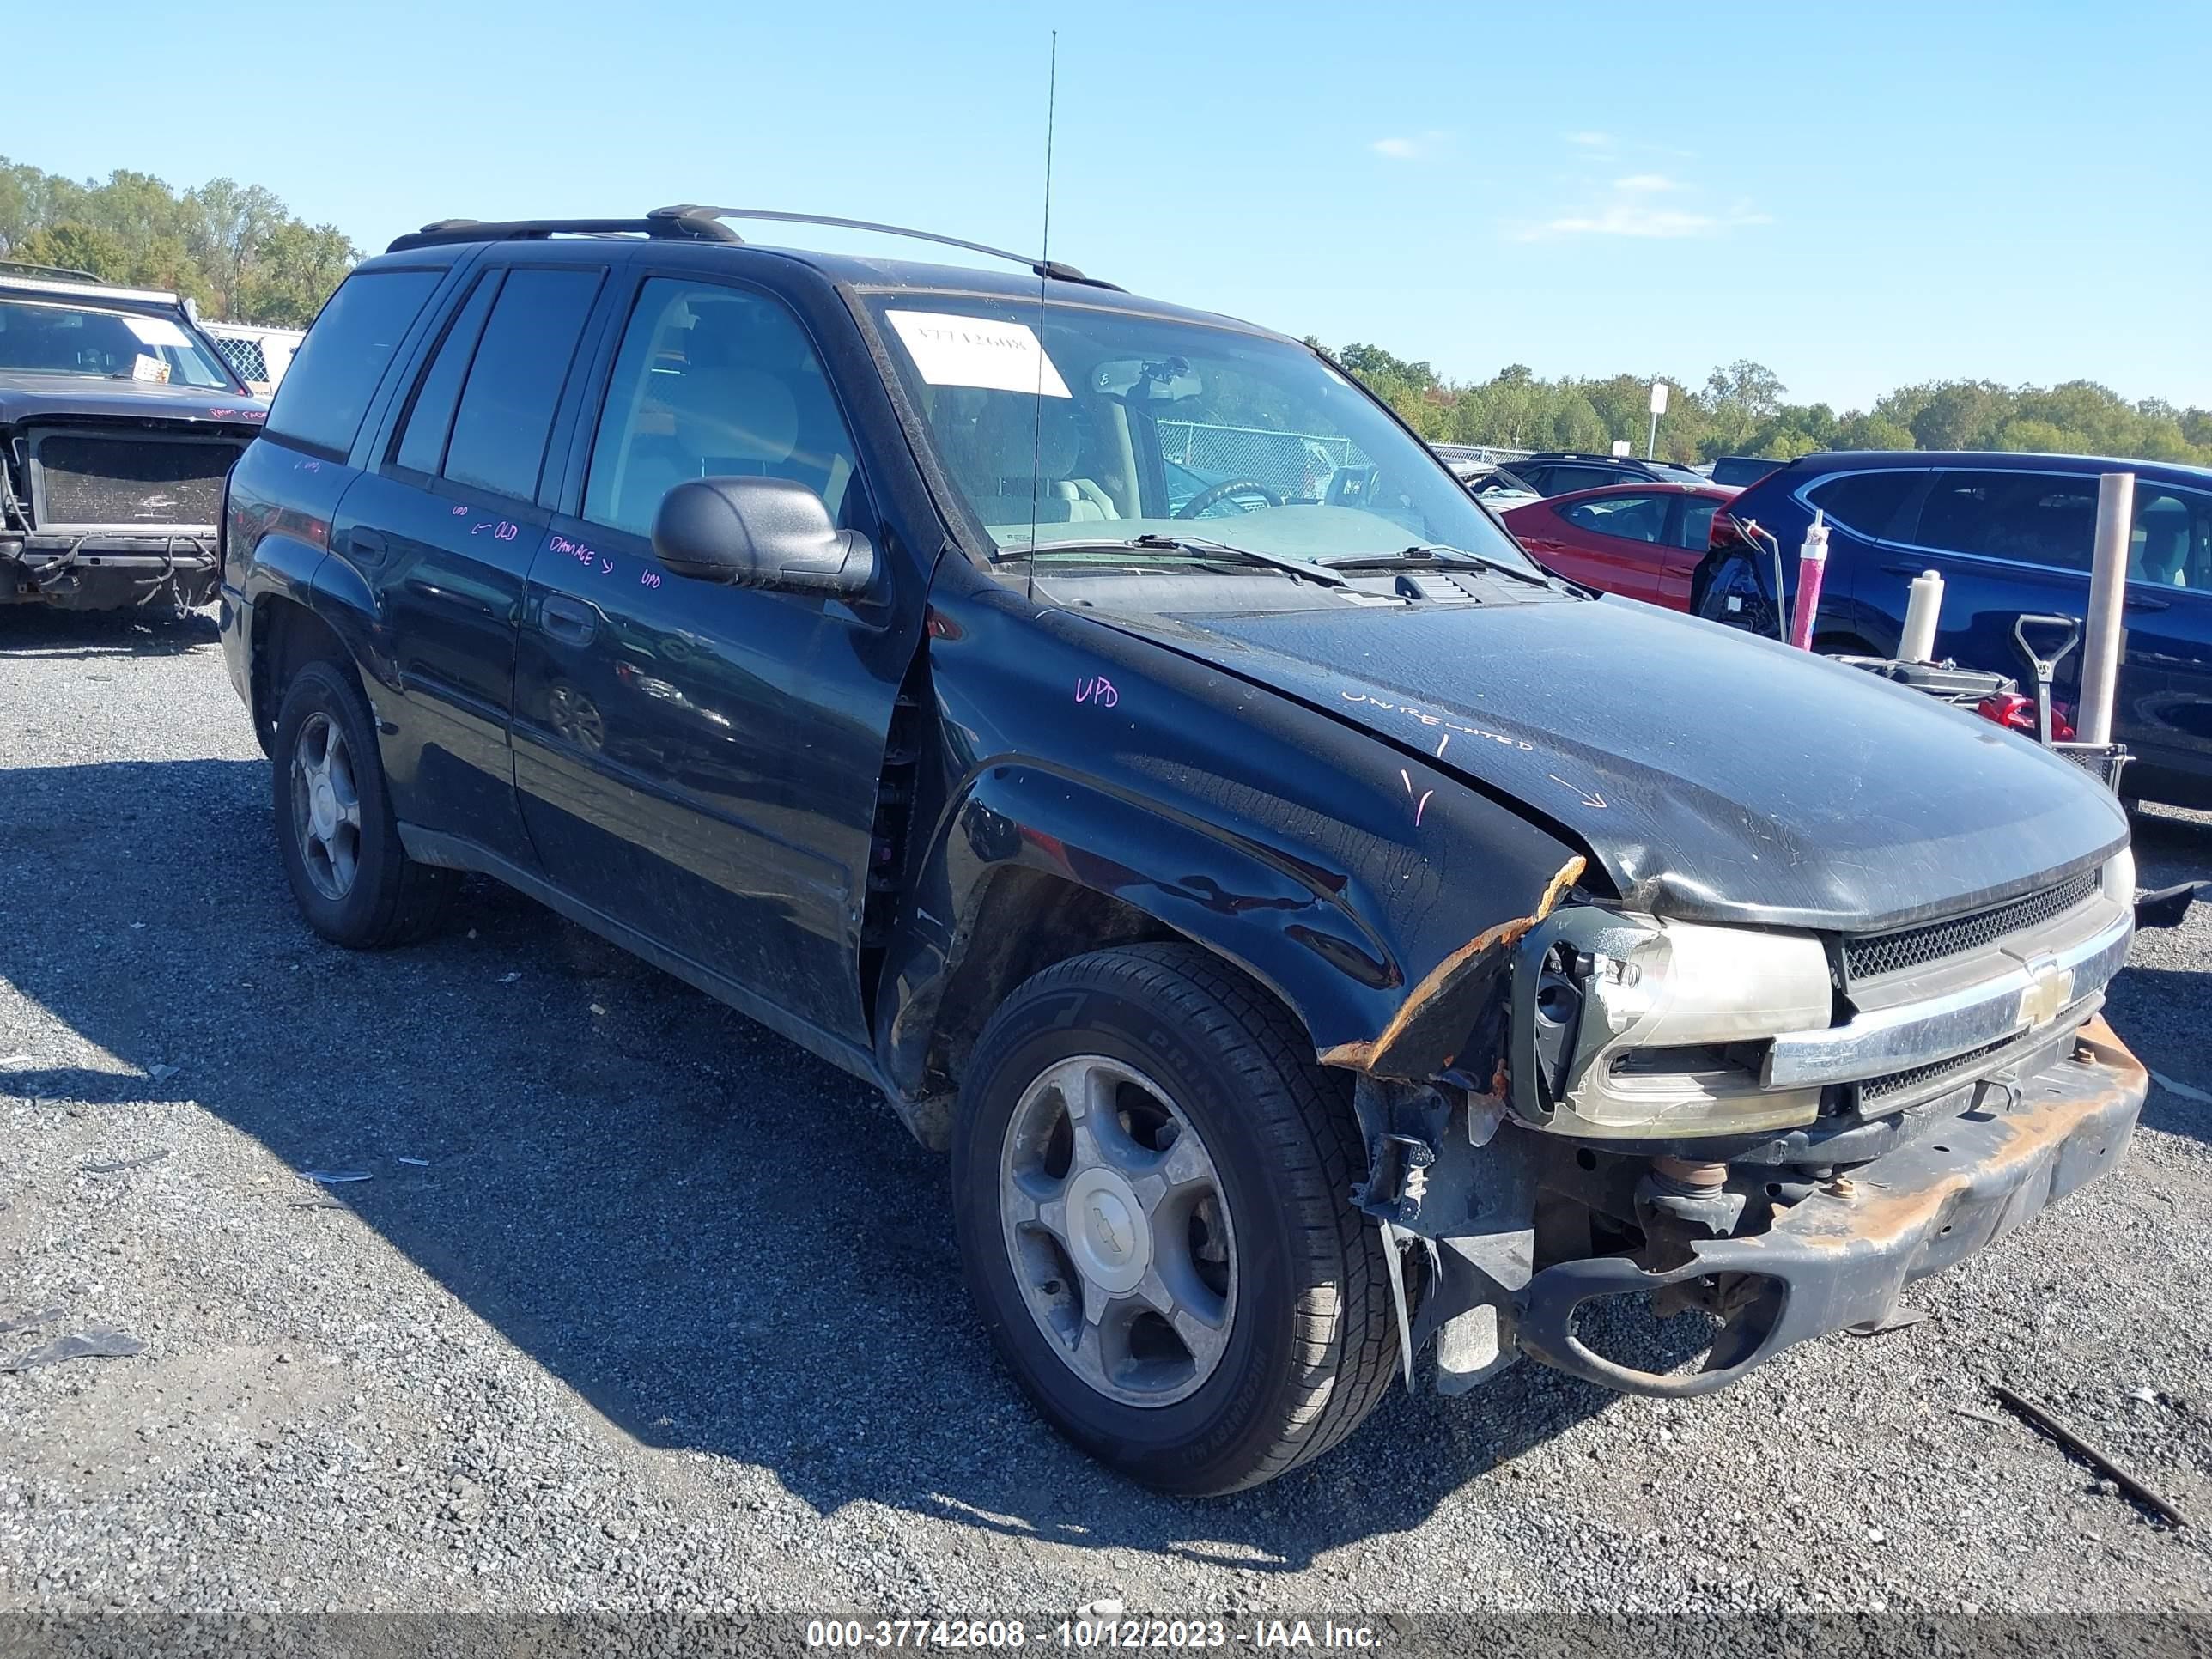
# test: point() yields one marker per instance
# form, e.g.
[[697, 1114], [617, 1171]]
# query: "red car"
[[1640, 540]]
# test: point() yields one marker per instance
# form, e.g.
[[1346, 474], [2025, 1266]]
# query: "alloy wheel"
[[1118, 1230], [326, 807]]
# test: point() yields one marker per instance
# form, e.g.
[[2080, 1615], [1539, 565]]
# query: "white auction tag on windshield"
[[979, 351], [156, 331]]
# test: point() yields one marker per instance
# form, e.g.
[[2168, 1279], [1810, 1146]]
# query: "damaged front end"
[[1777, 1130], [99, 516]]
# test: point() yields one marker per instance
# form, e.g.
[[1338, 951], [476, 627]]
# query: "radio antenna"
[[1044, 265]]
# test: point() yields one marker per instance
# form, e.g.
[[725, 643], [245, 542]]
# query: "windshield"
[[1149, 426], [114, 345]]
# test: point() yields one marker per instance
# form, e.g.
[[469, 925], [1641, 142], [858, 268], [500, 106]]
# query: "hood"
[[72, 397], [1711, 775]]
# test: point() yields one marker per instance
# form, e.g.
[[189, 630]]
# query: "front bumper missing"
[[1841, 1257], [109, 572]]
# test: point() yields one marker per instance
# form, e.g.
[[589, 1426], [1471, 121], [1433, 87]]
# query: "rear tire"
[[1283, 1282], [352, 879]]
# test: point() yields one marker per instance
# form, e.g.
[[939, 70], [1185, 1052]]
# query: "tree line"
[[235, 249], [1740, 409], [240, 253]]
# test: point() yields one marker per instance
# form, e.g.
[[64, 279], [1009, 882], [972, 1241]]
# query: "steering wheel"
[[1228, 487]]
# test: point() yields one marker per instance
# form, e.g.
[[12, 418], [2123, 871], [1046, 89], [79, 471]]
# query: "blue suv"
[[2011, 534]]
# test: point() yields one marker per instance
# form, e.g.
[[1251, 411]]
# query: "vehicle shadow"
[[38, 630], [2159, 1009], [2170, 845], [2146, 1004], [723, 1244]]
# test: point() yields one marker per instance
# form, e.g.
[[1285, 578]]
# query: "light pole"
[[1658, 408]]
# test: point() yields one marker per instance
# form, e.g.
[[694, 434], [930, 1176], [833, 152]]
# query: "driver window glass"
[[713, 382]]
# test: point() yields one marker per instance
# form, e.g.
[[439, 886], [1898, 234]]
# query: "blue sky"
[[1856, 196]]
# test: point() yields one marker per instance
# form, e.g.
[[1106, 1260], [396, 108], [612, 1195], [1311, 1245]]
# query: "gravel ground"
[[667, 1313]]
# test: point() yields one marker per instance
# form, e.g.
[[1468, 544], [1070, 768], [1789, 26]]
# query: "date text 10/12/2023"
[[1089, 1633]]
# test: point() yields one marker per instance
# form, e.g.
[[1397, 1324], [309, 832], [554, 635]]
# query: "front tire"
[[1152, 1193], [352, 879]]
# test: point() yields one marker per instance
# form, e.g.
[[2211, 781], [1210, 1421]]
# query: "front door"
[[696, 761]]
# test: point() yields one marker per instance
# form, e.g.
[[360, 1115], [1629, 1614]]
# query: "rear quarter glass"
[[337, 368], [1864, 503]]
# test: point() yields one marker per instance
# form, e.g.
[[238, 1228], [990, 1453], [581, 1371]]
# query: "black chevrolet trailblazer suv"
[[1316, 933]]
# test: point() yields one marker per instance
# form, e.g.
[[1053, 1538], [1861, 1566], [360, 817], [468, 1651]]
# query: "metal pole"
[[2108, 575], [1651, 443]]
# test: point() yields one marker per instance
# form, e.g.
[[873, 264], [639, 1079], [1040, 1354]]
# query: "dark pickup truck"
[[1315, 933], [119, 419]]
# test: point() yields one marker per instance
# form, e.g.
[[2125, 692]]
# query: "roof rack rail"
[[690, 222], [25, 268], [692, 213], [681, 227]]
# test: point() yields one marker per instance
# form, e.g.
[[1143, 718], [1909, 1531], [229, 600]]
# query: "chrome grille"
[[1876, 954]]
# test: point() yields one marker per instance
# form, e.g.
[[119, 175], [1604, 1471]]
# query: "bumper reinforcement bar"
[[1841, 1257]]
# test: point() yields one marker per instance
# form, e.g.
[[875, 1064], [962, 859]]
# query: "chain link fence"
[[245, 356], [1480, 454], [1293, 464], [259, 355]]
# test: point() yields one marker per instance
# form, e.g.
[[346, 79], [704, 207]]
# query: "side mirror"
[[760, 533]]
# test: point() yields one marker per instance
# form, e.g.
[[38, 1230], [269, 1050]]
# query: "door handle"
[[1904, 569], [367, 544], [2132, 602], [570, 620]]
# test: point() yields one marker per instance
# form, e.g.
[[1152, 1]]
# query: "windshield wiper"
[[1198, 547], [1439, 558]]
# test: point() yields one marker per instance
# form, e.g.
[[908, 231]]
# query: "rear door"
[[1613, 541], [444, 529], [1871, 516], [2007, 542]]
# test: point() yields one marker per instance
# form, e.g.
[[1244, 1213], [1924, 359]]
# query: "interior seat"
[[995, 453], [724, 421]]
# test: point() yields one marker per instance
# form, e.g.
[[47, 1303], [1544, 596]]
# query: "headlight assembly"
[[2117, 879], [1633, 1027]]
